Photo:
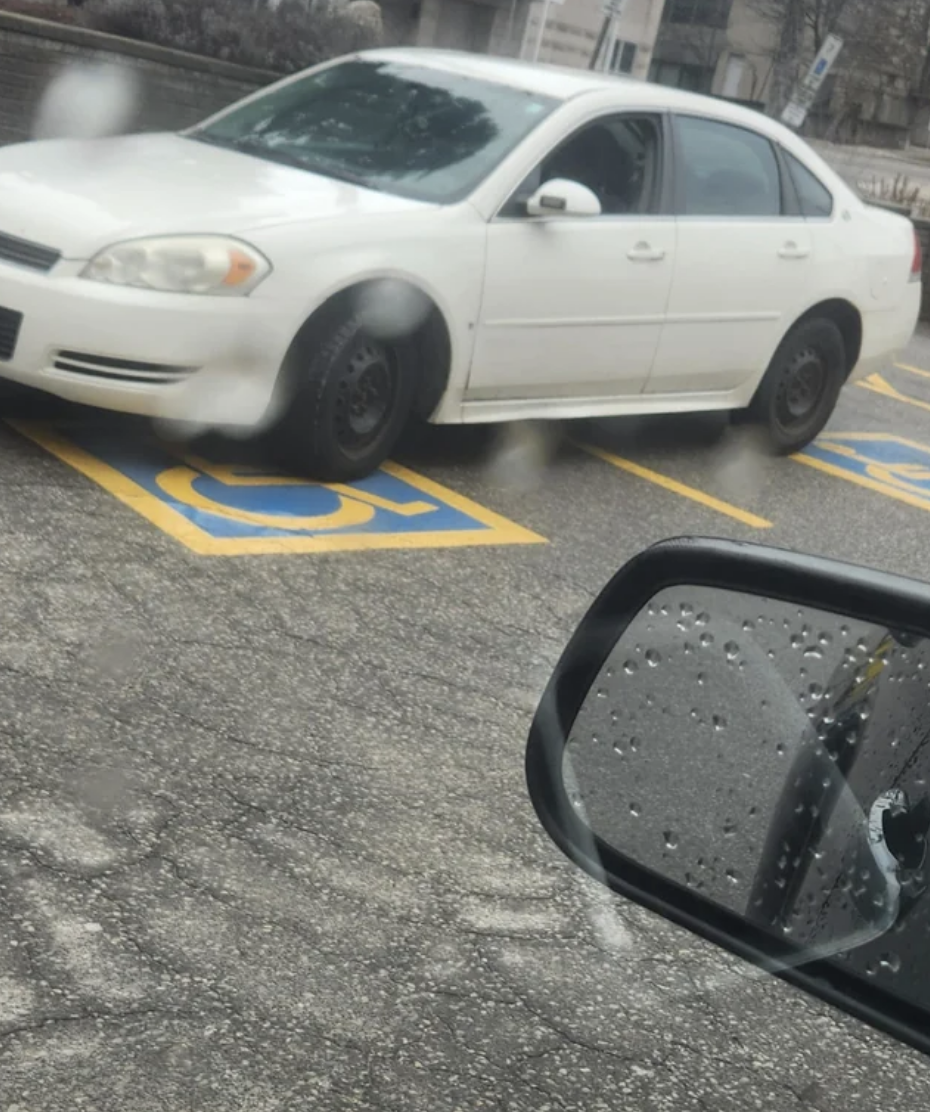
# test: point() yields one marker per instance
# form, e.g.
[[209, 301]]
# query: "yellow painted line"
[[879, 385], [673, 485], [498, 529], [913, 370], [863, 481]]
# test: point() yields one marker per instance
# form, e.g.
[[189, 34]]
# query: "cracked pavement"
[[264, 838]]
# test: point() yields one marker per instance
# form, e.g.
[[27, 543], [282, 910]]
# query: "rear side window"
[[725, 170], [816, 200]]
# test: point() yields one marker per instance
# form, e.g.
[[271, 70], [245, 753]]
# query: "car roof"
[[563, 83]]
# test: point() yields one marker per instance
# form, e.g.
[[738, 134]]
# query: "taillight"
[[917, 265]]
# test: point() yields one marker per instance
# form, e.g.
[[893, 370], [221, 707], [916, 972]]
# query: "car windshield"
[[418, 132]]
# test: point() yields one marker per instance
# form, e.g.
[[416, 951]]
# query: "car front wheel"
[[349, 398], [800, 389]]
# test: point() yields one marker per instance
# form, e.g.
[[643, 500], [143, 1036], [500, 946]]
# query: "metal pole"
[[542, 27], [609, 39], [513, 13], [598, 46]]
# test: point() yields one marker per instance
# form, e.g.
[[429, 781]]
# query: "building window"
[[622, 57], [695, 79], [700, 13]]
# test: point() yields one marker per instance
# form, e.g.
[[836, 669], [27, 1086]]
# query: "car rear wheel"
[[350, 397], [800, 389]]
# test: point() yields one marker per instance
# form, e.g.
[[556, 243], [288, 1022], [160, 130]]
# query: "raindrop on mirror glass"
[[630, 667], [813, 653], [701, 678], [797, 641], [686, 610], [890, 963], [730, 827], [731, 649], [707, 639], [748, 626], [771, 654], [602, 693], [815, 691], [732, 876], [720, 723], [671, 839], [614, 717], [780, 749], [576, 799], [634, 810], [865, 713], [634, 744], [653, 659], [825, 638]]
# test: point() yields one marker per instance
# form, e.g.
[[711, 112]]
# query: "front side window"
[[411, 130], [617, 158], [816, 200], [725, 170]]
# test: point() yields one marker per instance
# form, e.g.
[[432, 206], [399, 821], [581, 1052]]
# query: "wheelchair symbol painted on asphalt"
[[226, 508], [883, 462]]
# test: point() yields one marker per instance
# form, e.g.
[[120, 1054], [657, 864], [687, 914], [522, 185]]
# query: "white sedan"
[[466, 238]]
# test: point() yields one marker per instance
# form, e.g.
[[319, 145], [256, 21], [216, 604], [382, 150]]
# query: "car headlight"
[[213, 265]]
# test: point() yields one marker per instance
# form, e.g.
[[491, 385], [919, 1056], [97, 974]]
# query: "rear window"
[[816, 200]]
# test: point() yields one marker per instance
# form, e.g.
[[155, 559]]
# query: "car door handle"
[[644, 253], [792, 251]]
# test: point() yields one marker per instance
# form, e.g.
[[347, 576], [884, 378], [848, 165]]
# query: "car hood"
[[78, 197]]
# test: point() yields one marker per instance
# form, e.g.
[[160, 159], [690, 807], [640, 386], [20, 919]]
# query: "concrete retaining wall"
[[178, 89]]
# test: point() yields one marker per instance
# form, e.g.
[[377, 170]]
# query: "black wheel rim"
[[801, 389], [366, 396]]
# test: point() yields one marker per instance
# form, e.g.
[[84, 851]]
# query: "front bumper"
[[174, 356]]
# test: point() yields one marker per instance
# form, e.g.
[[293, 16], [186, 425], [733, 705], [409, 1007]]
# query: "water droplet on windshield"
[[630, 667], [731, 649], [653, 659]]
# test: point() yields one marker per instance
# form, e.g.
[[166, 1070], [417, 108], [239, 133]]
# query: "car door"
[[573, 306], [743, 265]]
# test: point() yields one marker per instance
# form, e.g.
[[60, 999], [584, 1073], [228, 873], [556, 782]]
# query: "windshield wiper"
[[249, 145]]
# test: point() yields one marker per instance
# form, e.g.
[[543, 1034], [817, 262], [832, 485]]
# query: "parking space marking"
[[220, 507], [913, 370], [676, 487], [880, 385], [881, 462]]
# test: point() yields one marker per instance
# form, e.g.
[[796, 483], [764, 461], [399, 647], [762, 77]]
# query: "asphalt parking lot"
[[264, 839]]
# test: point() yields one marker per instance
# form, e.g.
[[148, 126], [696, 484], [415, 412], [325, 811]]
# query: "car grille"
[[24, 253], [119, 370], [9, 332]]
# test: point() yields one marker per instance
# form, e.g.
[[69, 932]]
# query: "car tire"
[[799, 391], [349, 397]]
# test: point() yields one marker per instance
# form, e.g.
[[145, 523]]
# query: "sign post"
[[804, 95]]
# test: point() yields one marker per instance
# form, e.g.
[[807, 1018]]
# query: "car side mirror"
[[738, 738], [561, 197]]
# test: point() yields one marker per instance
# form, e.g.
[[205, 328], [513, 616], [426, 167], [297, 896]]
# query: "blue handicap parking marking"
[[883, 462], [223, 506]]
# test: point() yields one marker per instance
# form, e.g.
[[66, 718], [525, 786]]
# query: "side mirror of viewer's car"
[[738, 738]]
